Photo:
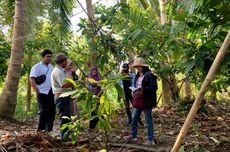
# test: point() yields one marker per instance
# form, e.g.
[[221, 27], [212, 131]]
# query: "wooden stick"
[[141, 147], [215, 66]]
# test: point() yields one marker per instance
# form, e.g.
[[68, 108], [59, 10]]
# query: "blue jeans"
[[63, 105], [148, 120]]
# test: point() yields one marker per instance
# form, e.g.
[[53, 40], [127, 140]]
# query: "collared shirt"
[[40, 69], [58, 77], [139, 81]]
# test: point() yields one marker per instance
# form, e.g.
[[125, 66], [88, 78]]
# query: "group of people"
[[49, 83]]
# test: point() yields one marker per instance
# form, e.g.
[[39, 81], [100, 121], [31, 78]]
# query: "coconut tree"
[[8, 96], [22, 16]]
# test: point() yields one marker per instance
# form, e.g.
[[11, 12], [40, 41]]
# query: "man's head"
[[61, 60], [125, 68], [46, 56]]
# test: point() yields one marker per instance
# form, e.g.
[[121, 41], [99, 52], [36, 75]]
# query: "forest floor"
[[210, 132]]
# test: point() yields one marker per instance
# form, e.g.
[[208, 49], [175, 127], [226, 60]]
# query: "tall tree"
[[23, 15], [8, 96], [92, 21]]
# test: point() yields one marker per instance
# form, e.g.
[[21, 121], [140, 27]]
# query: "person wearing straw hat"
[[144, 99], [126, 84]]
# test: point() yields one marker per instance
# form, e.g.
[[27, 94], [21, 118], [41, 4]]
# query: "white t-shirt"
[[39, 69]]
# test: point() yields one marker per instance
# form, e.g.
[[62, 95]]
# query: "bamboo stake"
[[141, 147], [219, 57]]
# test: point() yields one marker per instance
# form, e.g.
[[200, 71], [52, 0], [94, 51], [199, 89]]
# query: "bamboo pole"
[[219, 57]]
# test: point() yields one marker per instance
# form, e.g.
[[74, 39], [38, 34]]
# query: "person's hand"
[[37, 91]]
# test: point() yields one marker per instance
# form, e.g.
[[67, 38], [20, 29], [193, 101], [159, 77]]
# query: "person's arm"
[[34, 86], [67, 85], [61, 80], [33, 75], [152, 83]]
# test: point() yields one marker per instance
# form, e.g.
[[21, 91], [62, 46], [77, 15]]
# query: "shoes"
[[130, 138], [53, 133], [67, 143], [149, 143]]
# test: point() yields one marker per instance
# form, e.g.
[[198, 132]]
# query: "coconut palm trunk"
[[29, 95], [8, 97]]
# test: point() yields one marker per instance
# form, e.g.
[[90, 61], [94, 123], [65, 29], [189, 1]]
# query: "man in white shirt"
[[43, 91], [59, 86]]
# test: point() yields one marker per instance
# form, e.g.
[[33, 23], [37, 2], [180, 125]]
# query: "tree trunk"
[[8, 97], [91, 18], [213, 94], [90, 11], [167, 96], [187, 89], [210, 76], [163, 11], [28, 95]]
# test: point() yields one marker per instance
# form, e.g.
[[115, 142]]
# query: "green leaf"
[[119, 90], [66, 94], [181, 148], [90, 80], [102, 99], [63, 126], [107, 107], [189, 66], [103, 82], [71, 82], [74, 138]]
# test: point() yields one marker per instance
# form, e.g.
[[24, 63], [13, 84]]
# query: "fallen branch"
[[2, 148], [141, 147]]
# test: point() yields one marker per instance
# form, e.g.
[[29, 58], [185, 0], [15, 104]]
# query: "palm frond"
[[136, 15], [63, 9], [180, 7], [7, 7], [33, 10]]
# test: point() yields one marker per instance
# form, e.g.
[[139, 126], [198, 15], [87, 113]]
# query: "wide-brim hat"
[[139, 62]]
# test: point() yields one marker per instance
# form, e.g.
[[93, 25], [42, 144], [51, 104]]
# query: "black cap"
[[125, 66]]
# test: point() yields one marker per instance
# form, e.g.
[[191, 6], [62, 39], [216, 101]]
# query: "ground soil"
[[210, 132]]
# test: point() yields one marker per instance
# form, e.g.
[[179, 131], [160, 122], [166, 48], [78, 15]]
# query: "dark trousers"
[[93, 122], [127, 101], [63, 105], [46, 111]]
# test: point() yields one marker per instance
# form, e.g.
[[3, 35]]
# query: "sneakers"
[[149, 143], [53, 133], [130, 138]]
